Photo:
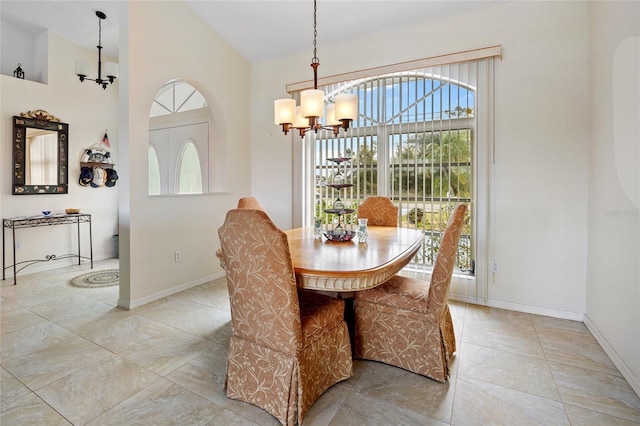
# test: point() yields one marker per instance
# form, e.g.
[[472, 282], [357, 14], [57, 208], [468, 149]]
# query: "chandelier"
[[110, 68], [307, 115]]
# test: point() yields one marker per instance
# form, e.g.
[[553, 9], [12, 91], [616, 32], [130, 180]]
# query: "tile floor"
[[70, 356]]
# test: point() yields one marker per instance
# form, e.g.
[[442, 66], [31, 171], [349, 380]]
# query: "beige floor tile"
[[17, 319], [72, 310], [44, 353], [605, 393], [116, 331], [161, 403], [481, 403], [577, 352], [229, 418], [407, 391], [10, 388], [583, 417], [33, 292], [516, 340], [194, 318], [360, 409], [326, 406], [87, 393], [29, 410], [508, 369], [163, 354], [498, 319], [205, 374], [213, 294]]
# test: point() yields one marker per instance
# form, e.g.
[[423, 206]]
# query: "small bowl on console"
[[46, 213], [72, 211]]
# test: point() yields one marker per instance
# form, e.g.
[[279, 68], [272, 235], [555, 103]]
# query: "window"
[[179, 145], [419, 140], [154, 172], [189, 171]]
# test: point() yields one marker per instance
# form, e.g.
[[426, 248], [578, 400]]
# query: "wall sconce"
[[18, 73]]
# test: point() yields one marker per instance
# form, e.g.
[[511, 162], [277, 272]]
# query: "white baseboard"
[[633, 381], [125, 304], [574, 316]]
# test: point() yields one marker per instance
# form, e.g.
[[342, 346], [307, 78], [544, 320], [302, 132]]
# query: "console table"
[[38, 221]]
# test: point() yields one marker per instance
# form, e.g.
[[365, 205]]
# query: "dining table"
[[349, 266]]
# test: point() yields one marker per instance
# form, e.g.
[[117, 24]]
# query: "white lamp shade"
[[331, 115], [111, 69], [346, 107], [284, 111], [82, 68], [300, 122], [312, 102]]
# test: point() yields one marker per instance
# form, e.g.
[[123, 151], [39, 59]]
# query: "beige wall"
[[89, 110], [538, 211], [163, 41], [613, 278]]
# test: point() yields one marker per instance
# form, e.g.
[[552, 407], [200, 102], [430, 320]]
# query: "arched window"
[[154, 172], [189, 170], [418, 139], [179, 121]]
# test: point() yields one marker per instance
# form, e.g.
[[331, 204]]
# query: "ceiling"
[[259, 30]]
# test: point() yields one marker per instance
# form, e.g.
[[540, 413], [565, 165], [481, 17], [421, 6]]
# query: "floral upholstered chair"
[[405, 321], [380, 211], [249, 203], [287, 347]]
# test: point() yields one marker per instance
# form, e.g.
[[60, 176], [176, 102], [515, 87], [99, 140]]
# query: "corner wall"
[[164, 41], [613, 272]]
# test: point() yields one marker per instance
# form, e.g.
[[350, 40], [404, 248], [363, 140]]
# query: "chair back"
[[445, 261], [250, 203], [261, 281], [380, 211]]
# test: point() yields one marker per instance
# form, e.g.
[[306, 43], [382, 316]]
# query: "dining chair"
[[287, 346], [249, 203], [406, 322], [380, 211]]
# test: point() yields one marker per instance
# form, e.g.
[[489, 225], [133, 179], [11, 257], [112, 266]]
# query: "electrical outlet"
[[495, 266], [178, 256], [17, 245]]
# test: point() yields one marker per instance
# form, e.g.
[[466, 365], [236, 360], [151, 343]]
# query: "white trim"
[[468, 55], [169, 292], [626, 372]]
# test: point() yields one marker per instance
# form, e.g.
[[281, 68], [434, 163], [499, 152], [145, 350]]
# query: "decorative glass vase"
[[317, 228], [362, 230]]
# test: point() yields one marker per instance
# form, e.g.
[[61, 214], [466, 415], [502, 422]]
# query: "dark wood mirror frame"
[[42, 120]]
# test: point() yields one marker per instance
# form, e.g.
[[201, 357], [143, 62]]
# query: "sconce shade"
[[111, 69], [300, 122], [82, 68], [331, 116], [312, 102], [284, 111], [346, 107]]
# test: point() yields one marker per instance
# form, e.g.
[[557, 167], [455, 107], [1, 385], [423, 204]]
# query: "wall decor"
[[39, 154], [96, 166]]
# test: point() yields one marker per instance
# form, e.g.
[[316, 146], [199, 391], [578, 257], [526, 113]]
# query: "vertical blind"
[[415, 141]]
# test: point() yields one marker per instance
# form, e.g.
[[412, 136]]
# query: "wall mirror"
[[40, 161], [179, 141]]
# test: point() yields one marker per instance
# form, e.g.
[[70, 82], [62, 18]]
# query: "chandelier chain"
[[315, 59]]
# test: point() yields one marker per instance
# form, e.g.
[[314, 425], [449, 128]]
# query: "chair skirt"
[[287, 385], [404, 338]]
